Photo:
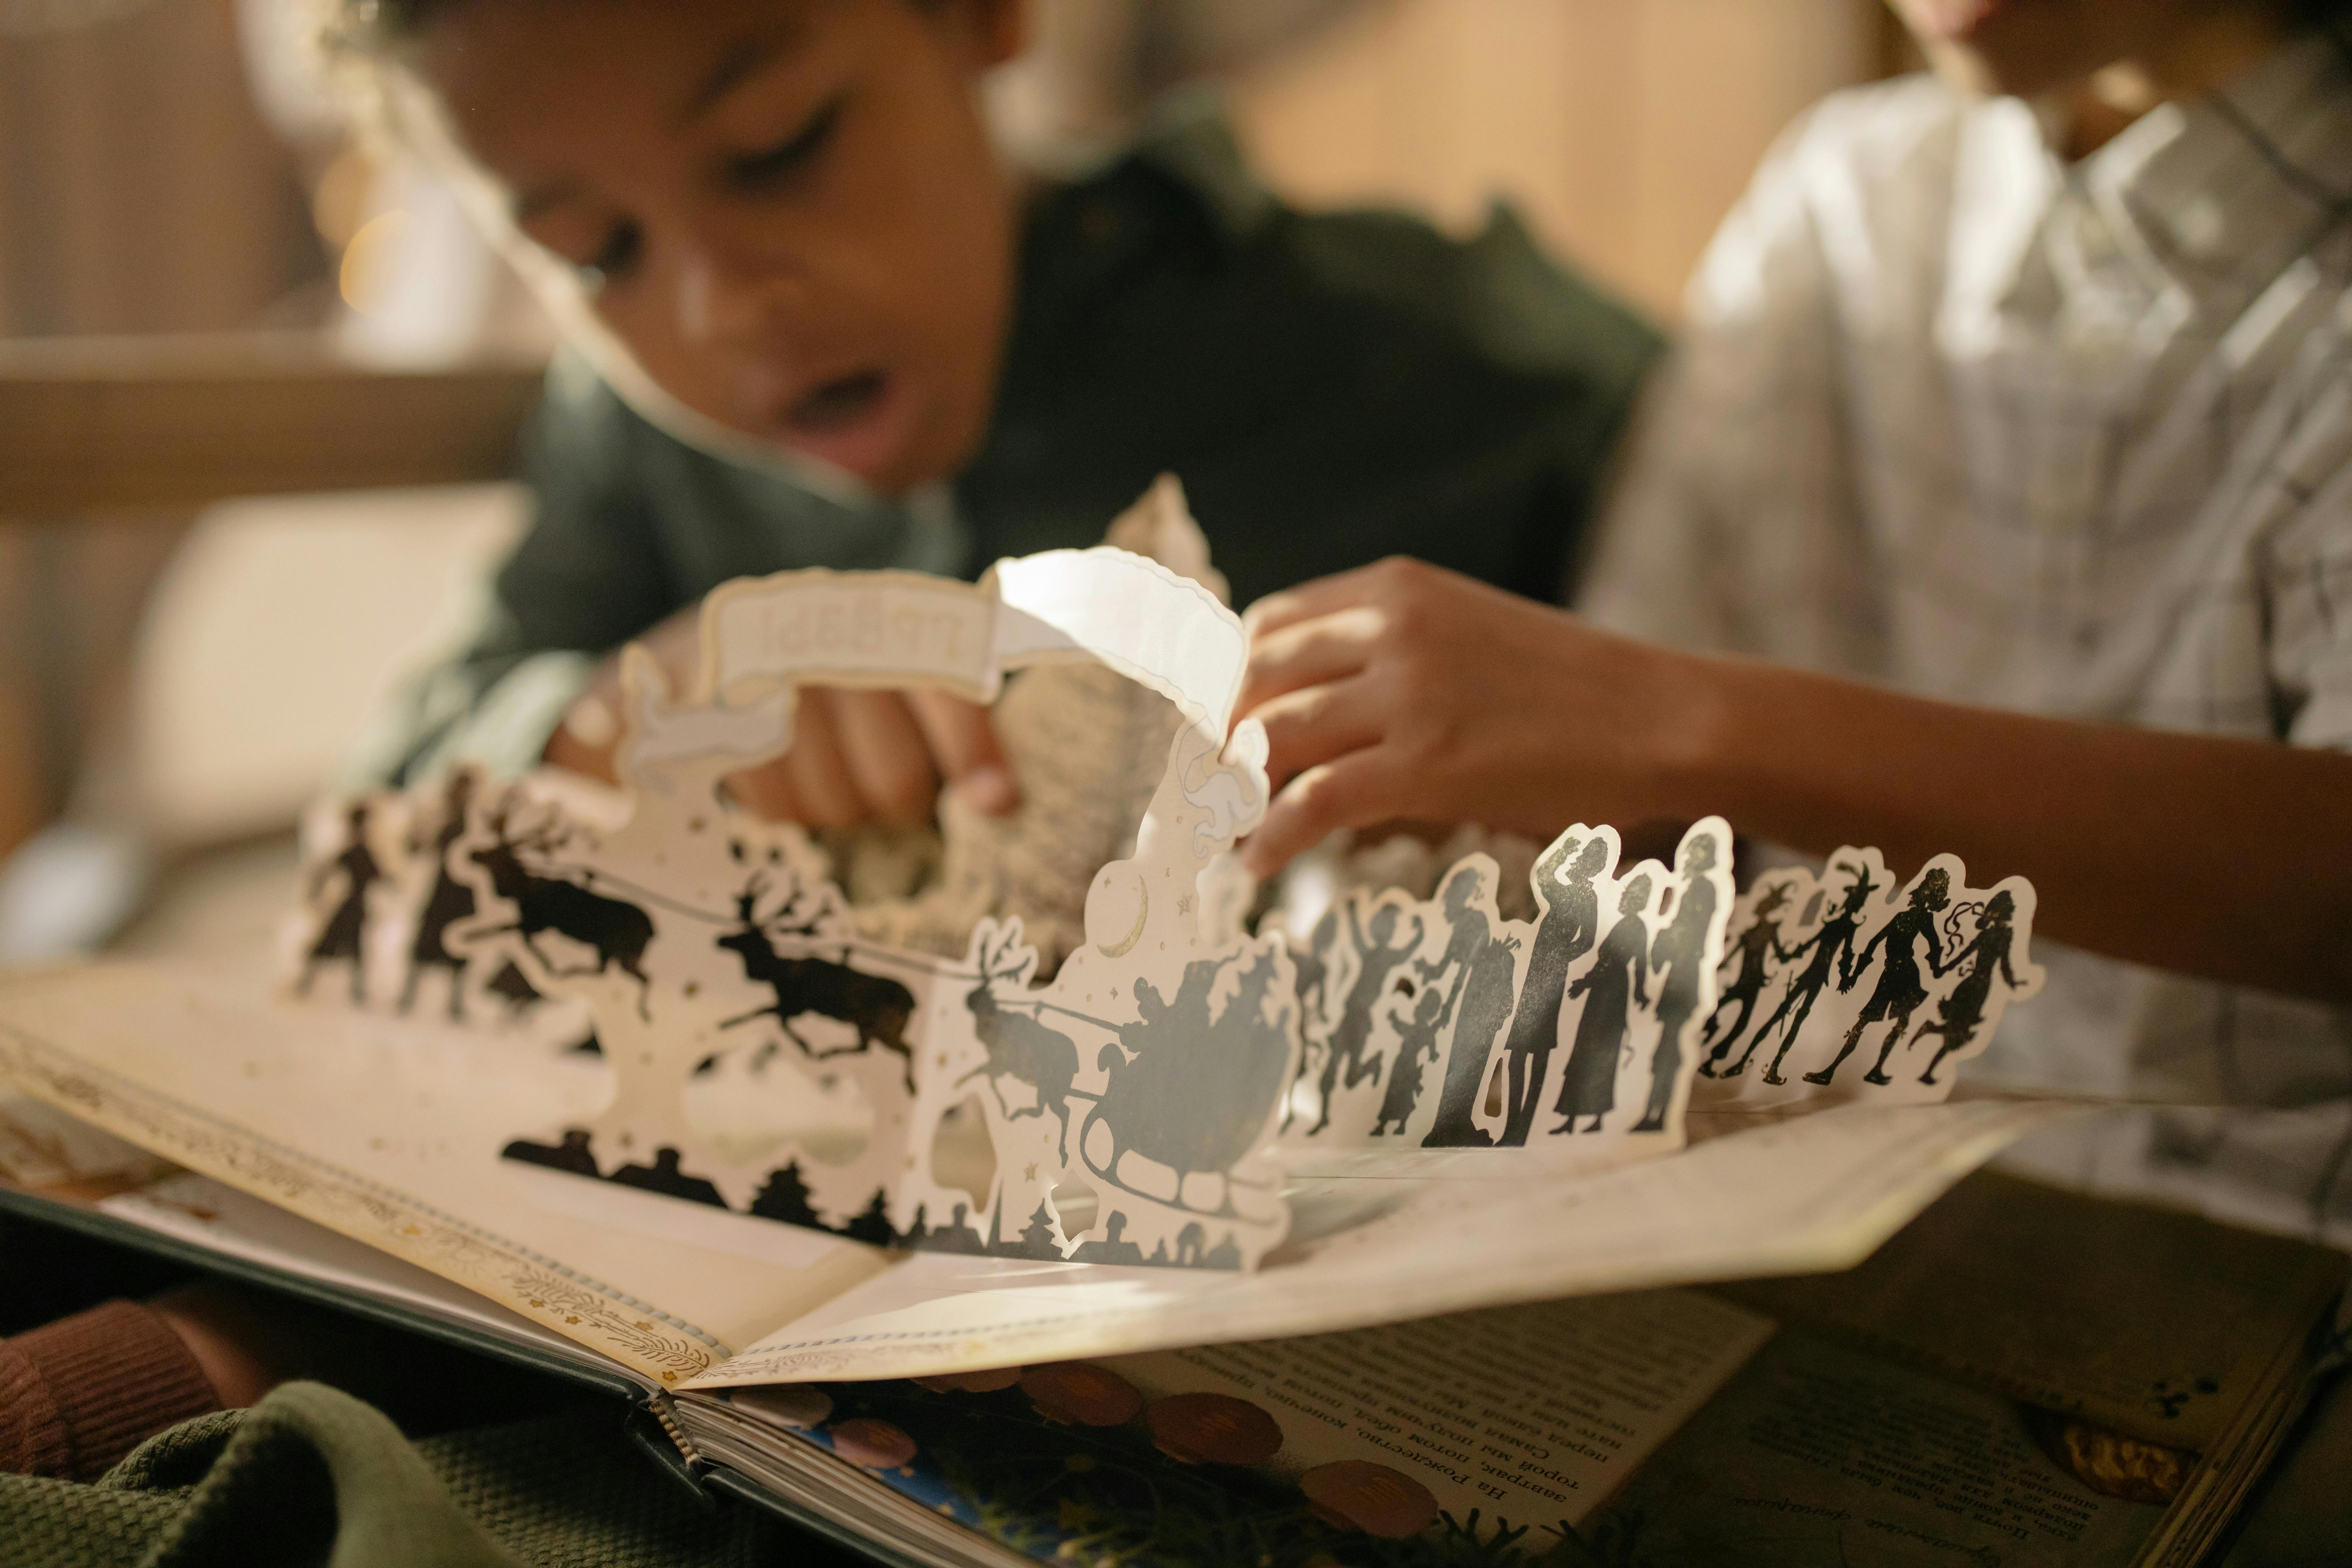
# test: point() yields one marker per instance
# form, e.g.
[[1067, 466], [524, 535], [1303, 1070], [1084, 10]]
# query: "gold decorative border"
[[635, 1334]]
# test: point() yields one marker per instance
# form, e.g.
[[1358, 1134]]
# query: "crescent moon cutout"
[[1143, 912]]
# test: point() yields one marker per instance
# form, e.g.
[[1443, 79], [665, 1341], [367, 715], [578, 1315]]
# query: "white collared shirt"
[[1956, 417]]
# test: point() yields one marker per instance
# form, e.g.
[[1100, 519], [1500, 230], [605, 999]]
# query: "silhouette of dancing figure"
[[1572, 917], [1964, 1009], [1680, 953], [450, 902], [1589, 1087], [1420, 1039], [342, 939], [1484, 996], [1754, 950], [1830, 945], [1313, 967], [1376, 961], [1898, 993]]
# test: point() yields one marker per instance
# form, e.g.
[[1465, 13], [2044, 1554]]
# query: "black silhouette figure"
[[343, 940], [570, 1155], [1188, 1091], [1615, 983], [1376, 961], [1955, 1021], [1114, 1247], [1419, 1041], [1680, 953], [875, 1005], [665, 1177], [1829, 947], [619, 932], [1481, 1002], [785, 1196], [957, 1236], [1753, 950], [1571, 917], [451, 900], [1314, 968], [1020, 1047], [1898, 993]]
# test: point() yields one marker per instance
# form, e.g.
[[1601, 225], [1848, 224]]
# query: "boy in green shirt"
[[848, 337]]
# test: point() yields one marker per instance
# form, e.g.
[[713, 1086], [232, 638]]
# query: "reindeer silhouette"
[[620, 933], [1020, 1047], [876, 1006]]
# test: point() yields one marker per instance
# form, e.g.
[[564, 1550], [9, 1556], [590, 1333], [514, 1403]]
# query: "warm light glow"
[[338, 202], [366, 260]]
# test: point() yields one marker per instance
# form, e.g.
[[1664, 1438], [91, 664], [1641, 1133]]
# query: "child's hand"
[[1403, 692], [857, 756]]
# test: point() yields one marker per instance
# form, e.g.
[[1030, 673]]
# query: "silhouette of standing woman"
[[1680, 953], [1589, 1086], [1754, 950], [1420, 1038], [450, 902], [1898, 993], [1964, 1009], [342, 939], [1830, 944], [1377, 961], [1572, 917], [1483, 991]]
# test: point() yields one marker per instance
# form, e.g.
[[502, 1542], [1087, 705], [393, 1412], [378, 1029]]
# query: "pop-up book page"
[[770, 1057]]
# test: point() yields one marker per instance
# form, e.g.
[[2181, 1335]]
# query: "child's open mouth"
[[857, 422]]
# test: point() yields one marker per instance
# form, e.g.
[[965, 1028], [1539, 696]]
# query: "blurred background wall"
[[141, 191]]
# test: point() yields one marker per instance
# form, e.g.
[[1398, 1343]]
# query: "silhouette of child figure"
[[1589, 1087], [1377, 961], [344, 938], [1420, 1038], [1830, 946], [1964, 1009], [1680, 951], [1313, 967], [1753, 949], [1572, 917], [450, 902], [1899, 992], [1483, 994]]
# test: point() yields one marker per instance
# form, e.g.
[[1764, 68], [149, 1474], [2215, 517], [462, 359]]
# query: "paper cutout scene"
[[1056, 1036]]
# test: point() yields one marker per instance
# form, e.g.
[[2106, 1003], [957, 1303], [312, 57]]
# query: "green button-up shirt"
[[1331, 388]]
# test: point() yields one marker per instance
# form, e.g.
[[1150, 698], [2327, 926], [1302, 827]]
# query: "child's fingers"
[[889, 756], [963, 739], [1308, 653], [1358, 788], [818, 770], [766, 791], [1309, 727], [1322, 596]]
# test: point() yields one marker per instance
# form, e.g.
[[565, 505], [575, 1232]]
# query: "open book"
[[713, 1119], [1990, 1386]]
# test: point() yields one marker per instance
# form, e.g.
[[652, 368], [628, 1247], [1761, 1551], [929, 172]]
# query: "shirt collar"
[[2216, 195]]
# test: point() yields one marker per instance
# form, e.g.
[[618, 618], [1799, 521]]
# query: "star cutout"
[[1184, 905], [1030, 1174]]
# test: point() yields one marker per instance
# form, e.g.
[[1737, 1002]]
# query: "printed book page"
[[2146, 1321], [1817, 1453], [1533, 1413]]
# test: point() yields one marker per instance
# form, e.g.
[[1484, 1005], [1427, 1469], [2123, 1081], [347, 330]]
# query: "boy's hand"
[[1402, 691], [857, 756]]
